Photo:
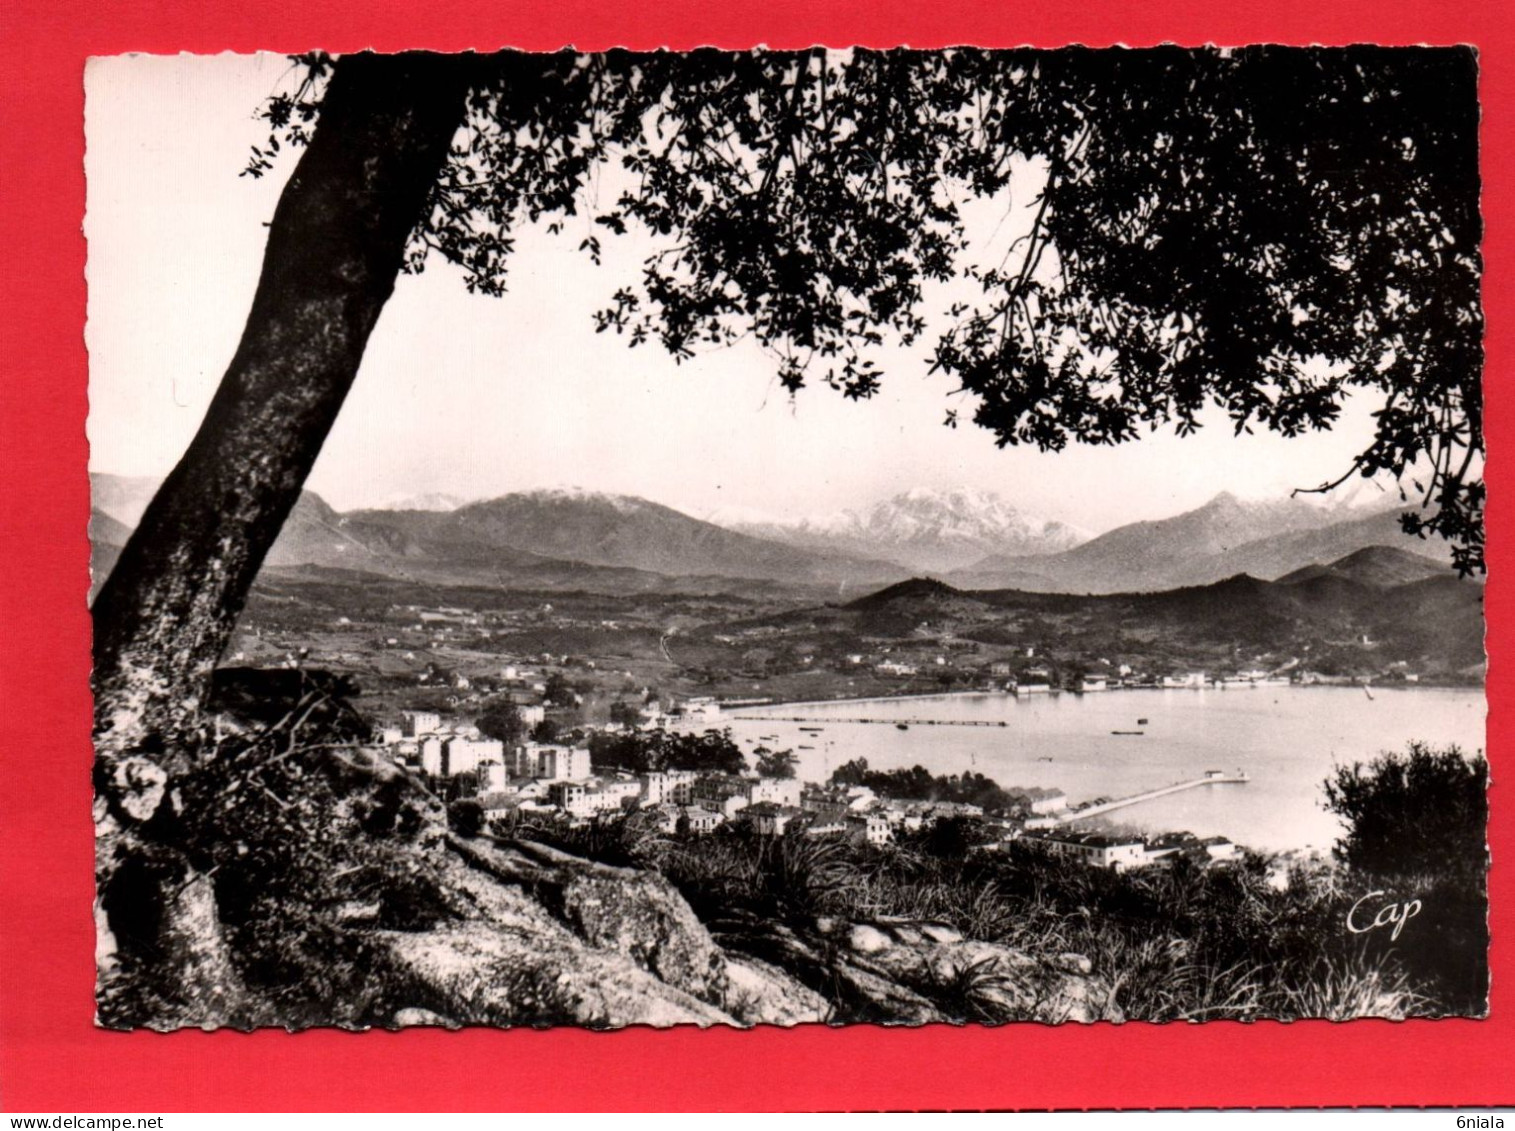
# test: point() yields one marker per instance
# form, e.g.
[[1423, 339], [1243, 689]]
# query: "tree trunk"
[[335, 246]]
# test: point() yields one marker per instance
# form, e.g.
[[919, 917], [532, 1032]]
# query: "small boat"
[[1128, 732], [1045, 758], [901, 726], [1141, 722]]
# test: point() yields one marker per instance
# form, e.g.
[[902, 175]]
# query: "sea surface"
[[1287, 738]]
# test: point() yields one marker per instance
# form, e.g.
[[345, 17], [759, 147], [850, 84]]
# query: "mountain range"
[[923, 529], [534, 539], [569, 538], [1225, 537]]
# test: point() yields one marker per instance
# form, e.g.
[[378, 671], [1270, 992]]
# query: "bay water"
[[1287, 738]]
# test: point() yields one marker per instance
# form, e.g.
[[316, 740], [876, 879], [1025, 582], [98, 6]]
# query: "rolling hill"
[[1381, 567], [1349, 612]]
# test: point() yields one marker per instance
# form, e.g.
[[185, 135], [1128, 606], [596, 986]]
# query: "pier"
[[1214, 777], [822, 722]]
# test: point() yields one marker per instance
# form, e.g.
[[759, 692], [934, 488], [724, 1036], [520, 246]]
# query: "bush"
[[465, 817], [501, 719], [1422, 812], [713, 752]]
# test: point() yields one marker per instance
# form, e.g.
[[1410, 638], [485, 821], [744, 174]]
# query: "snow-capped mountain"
[[429, 501], [596, 528], [923, 528]]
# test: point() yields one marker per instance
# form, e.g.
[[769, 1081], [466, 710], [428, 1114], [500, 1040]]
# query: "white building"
[[869, 828], [701, 709], [1187, 679], [780, 791], [548, 762], [701, 820], [663, 787], [618, 793], [493, 777], [1043, 801], [462, 755], [1094, 849], [570, 796], [432, 754]]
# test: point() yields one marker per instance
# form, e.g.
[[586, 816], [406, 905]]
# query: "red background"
[[51, 1056]]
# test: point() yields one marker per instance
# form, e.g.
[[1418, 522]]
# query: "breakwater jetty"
[[1212, 777], [820, 722]]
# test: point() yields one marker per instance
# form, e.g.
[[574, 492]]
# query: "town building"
[[869, 828], [498, 805], [665, 816], [1044, 801], [1170, 846], [550, 762], [769, 819], [431, 748], [494, 777], [779, 791], [1098, 850], [618, 793], [824, 824], [1186, 679], [698, 820], [723, 793], [701, 709], [462, 755], [908, 815], [571, 797], [668, 786]]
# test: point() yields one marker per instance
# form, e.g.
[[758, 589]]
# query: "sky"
[[476, 396]]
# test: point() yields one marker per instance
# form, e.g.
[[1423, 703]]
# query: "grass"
[[1171, 943]]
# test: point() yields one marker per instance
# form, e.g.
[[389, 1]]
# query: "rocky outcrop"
[[895, 971], [632, 913], [513, 963], [327, 890], [320, 885]]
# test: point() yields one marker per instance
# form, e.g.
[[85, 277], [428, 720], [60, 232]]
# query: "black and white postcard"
[[787, 537]]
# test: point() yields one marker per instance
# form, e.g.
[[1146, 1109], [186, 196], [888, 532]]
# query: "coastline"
[[912, 695], [906, 697], [871, 699]]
